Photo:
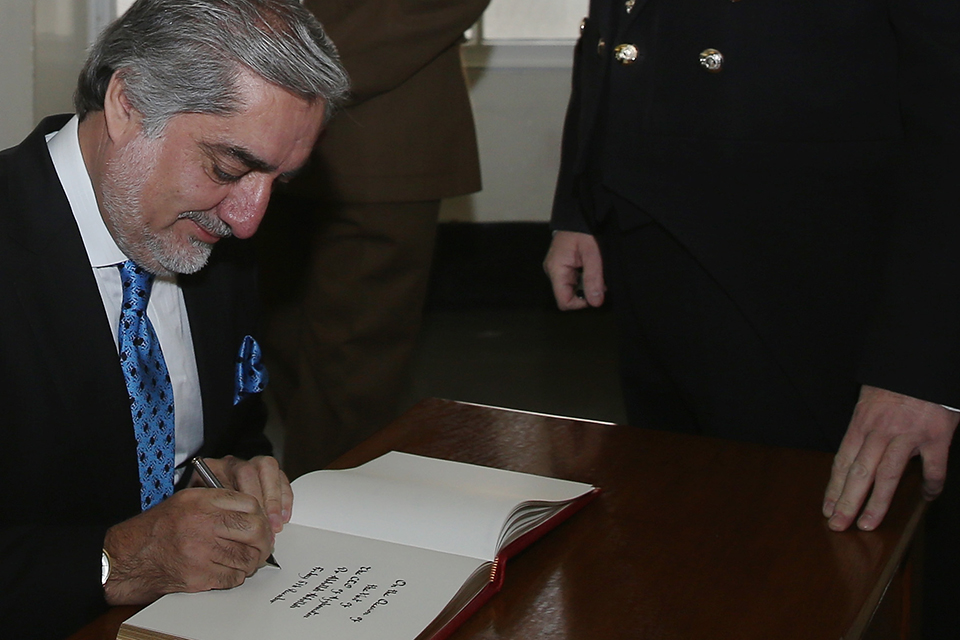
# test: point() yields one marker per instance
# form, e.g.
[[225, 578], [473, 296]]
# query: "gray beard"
[[160, 254]]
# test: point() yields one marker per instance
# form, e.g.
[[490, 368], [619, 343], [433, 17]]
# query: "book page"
[[436, 504], [331, 586]]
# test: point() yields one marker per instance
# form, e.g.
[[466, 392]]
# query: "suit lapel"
[[60, 301], [55, 283], [211, 335]]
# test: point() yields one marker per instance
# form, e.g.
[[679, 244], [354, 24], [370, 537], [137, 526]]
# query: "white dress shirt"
[[166, 308]]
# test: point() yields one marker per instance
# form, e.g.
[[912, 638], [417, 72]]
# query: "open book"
[[400, 547]]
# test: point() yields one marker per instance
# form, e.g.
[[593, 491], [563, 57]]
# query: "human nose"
[[244, 208]]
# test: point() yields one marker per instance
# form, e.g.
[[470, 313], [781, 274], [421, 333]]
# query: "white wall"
[[519, 92], [519, 95], [536, 20], [43, 44], [16, 80], [62, 34], [520, 84]]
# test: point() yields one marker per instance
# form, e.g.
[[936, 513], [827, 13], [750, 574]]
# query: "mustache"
[[208, 222]]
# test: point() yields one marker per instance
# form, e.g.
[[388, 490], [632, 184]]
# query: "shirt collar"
[[64, 147]]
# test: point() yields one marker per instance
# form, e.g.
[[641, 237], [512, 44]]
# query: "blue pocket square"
[[251, 374]]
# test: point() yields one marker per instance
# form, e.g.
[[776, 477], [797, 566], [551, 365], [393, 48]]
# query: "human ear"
[[123, 121]]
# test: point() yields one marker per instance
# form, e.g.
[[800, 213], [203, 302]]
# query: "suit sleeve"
[[567, 213], [384, 42], [50, 579], [913, 346]]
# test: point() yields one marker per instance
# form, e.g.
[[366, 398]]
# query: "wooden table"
[[692, 538]]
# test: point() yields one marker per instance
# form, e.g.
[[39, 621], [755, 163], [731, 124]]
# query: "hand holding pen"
[[200, 540], [212, 481]]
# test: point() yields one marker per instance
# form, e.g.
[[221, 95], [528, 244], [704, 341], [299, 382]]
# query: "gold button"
[[629, 5], [711, 60], [601, 46], [625, 53]]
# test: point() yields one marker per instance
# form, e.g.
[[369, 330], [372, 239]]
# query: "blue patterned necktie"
[[149, 387]]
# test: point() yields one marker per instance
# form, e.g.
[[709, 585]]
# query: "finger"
[[564, 285], [886, 479], [236, 556], [249, 477], [846, 454], [223, 469], [214, 576], [262, 478], [229, 500], [240, 518], [273, 484], [934, 470], [562, 265], [249, 536], [233, 531], [222, 550], [286, 498], [248, 527], [857, 483], [228, 578], [594, 288]]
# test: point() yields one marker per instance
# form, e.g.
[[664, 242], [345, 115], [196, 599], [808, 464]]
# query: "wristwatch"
[[104, 567]]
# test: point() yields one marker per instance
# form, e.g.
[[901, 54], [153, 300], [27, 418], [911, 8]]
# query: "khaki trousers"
[[344, 287]]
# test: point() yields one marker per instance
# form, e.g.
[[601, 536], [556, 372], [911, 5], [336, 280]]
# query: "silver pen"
[[213, 482]]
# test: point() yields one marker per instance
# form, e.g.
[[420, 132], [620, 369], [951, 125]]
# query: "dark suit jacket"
[[814, 175], [407, 134], [70, 469]]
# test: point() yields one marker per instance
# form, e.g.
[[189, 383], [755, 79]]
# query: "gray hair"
[[185, 56]]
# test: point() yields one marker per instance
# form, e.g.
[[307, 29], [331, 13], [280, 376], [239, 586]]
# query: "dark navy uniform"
[[774, 189]]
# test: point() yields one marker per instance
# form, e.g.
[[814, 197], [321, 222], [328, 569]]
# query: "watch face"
[[104, 568]]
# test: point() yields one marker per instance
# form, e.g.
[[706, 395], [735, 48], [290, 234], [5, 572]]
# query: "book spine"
[[495, 584]]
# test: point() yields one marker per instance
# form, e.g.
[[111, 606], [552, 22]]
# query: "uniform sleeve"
[[913, 344], [383, 43], [567, 213]]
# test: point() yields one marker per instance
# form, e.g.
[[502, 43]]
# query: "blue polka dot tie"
[[149, 387]]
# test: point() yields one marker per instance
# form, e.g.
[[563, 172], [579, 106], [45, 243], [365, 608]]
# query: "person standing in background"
[[769, 191], [346, 257]]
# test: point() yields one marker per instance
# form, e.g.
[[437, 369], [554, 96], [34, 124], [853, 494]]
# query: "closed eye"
[[225, 177]]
